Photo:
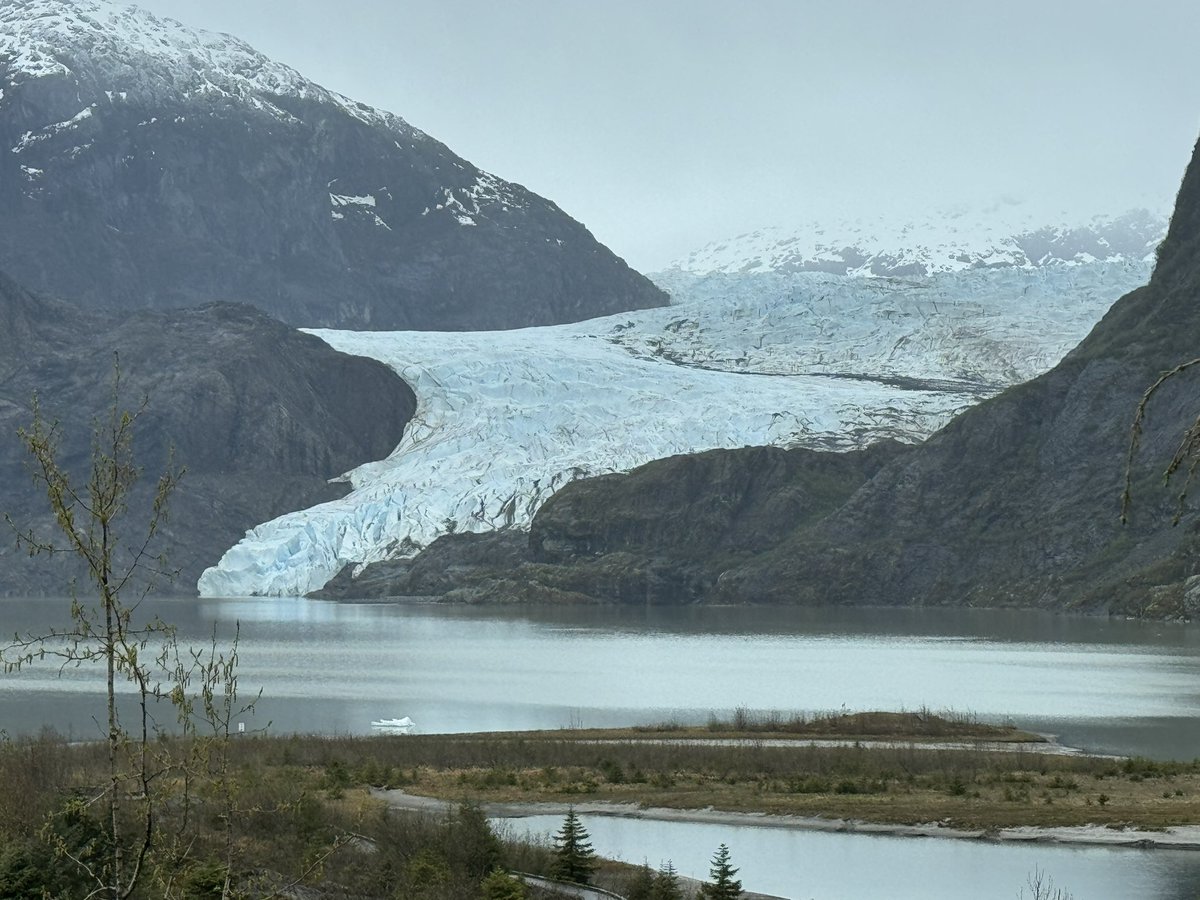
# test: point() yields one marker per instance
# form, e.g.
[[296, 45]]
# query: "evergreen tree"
[[666, 883], [641, 886], [472, 846], [575, 860], [723, 885], [499, 885]]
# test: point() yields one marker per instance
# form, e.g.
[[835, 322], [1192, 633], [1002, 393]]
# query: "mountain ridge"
[[149, 164], [949, 241]]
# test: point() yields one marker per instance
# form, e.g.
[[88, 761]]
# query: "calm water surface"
[[1112, 686], [805, 864]]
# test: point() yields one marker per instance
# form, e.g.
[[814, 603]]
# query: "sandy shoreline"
[[1183, 837]]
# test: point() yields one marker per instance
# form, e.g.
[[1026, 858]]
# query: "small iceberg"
[[404, 724]]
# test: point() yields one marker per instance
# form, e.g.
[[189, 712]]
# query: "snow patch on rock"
[[364, 203]]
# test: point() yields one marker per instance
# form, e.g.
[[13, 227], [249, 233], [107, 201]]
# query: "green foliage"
[[30, 870], [204, 881], [641, 886], [90, 524], [472, 846], [612, 771], [51, 863], [426, 874], [337, 779], [574, 858], [287, 830], [116, 841], [723, 885], [23, 875], [499, 885], [650, 885], [666, 883]]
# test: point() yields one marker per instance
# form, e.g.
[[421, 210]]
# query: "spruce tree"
[[499, 885], [575, 860], [723, 885], [666, 883], [641, 886]]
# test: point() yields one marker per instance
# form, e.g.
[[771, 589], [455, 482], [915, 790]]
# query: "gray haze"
[[663, 124]]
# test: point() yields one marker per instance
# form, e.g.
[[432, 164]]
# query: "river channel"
[[833, 866]]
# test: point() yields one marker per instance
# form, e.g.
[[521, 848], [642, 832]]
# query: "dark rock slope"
[[144, 164], [261, 415], [1014, 503], [662, 533]]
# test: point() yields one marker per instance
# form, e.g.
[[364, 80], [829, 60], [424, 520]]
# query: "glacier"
[[793, 359]]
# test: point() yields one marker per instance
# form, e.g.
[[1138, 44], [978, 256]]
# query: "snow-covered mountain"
[[1004, 236], [506, 418], [145, 163], [137, 53]]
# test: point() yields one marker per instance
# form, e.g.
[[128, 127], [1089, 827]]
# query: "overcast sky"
[[664, 124]]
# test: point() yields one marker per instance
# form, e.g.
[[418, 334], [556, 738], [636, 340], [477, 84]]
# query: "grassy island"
[[886, 768]]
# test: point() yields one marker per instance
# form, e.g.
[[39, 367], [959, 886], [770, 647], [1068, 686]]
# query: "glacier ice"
[[504, 419]]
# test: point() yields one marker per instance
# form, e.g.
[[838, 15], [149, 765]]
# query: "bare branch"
[[1188, 446]]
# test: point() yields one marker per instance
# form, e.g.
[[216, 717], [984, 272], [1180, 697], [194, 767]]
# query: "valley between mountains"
[[531, 432], [612, 542], [505, 419]]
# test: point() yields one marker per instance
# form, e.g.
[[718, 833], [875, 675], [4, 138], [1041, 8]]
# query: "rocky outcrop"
[[144, 164], [666, 532], [452, 563], [1016, 502], [261, 416]]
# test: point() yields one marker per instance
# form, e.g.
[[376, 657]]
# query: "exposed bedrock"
[[261, 416]]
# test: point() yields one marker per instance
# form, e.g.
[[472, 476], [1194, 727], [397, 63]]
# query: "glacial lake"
[[1105, 685], [1109, 686]]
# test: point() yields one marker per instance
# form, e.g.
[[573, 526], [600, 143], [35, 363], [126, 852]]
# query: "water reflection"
[[832, 866], [1110, 685]]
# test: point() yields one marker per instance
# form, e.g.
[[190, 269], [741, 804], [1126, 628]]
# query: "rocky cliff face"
[[662, 533], [262, 416], [1014, 503], [144, 164]]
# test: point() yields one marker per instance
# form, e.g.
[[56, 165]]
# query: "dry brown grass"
[[914, 727], [1031, 798], [971, 789]]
